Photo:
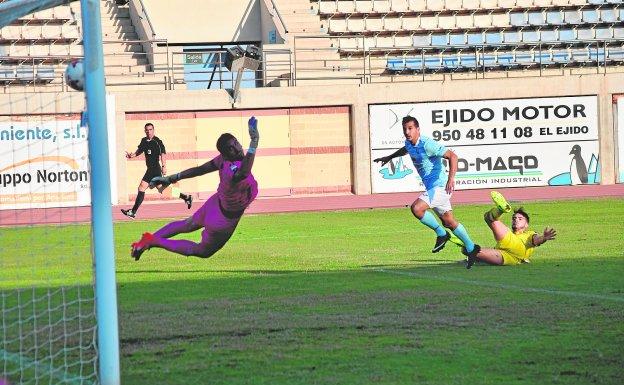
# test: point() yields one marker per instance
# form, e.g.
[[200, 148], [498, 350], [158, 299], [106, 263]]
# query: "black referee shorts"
[[150, 173]]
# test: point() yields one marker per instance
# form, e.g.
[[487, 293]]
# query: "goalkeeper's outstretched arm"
[[385, 159], [188, 173], [249, 158]]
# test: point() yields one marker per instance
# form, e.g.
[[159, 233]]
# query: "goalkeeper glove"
[[164, 181]]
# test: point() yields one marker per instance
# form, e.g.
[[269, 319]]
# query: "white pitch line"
[[504, 286]]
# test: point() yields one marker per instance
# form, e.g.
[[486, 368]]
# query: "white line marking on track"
[[503, 286]]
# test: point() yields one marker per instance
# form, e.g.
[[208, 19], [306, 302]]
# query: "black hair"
[[520, 210], [148, 124], [408, 119], [222, 141]]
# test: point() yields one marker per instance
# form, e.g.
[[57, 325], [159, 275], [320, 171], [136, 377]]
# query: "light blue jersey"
[[426, 155]]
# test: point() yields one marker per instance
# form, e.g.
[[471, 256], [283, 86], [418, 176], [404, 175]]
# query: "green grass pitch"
[[356, 297]]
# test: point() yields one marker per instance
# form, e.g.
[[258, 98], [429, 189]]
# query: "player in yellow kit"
[[515, 245]]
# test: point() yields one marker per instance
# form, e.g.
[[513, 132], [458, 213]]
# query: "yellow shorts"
[[512, 249]]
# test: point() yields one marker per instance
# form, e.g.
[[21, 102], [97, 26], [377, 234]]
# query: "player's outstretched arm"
[[385, 159], [548, 235], [192, 172], [249, 158]]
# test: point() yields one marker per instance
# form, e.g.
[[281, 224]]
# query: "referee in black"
[[154, 150]]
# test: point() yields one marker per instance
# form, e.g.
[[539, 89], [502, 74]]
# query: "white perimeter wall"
[[205, 21]]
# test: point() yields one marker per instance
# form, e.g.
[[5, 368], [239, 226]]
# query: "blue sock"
[[429, 220], [461, 233]]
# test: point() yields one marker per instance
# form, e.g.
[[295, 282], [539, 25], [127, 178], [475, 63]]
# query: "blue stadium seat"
[[414, 64], [506, 60], [451, 62], [544, 58], [561, 57], [566, 34], [476, 38], [518, 19], [608, 15], [580, 57], [457, 38], [493, 38], [615, 54], [572, 17], [433, 63], [511, 37], [524, 58], [585, 34], [468, 61], [536, 18], [597, 55], [45, 74], [395, 64], [590, 16], [421, 40], [548, 36], [25, 73], [488, 61], [530, 36], [7, 74], [604, 33], [554, 18], [439, 39]]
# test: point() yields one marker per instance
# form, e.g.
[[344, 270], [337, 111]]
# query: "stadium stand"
[[344, 41]]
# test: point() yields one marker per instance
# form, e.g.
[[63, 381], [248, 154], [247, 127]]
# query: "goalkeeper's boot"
[[129, 213], [138, 248], [500, 202], [441, 242], [471, 256]]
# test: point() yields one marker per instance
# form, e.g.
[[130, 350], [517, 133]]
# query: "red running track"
[[177, 209]]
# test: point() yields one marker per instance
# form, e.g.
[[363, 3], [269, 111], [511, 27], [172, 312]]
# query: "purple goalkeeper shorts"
[[217, 227]]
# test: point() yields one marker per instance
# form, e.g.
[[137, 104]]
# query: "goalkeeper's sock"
[[138, 201], [493, 214], [461, 233], [429, 220]]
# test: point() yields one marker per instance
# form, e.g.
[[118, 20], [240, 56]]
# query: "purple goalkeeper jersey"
[[234, 196]]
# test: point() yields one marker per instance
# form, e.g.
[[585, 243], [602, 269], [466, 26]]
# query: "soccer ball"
[[74, 75]]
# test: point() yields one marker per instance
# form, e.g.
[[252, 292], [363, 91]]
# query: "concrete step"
[[136, 82], [301, 17], [120, 47], [126, 70], [118, 28], [312, 77], [120, 36], [120, 60], [286, 6], [298, 27]]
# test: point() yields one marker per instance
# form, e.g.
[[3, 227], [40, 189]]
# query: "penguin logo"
[[578, 168], [579, 172], [395, 171]]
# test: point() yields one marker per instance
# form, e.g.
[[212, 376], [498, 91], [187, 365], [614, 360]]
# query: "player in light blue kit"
[[427, 156]]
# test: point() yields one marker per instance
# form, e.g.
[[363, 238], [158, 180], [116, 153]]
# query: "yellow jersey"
[[516, 248]]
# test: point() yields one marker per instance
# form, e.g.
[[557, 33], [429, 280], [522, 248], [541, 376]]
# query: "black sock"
[[183, 196], [138, 201]]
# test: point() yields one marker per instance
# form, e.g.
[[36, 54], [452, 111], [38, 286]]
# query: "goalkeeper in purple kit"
[[221, 213]]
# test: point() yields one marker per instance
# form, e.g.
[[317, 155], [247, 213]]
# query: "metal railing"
[[165, 69], [274, 10], [147, 18]]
